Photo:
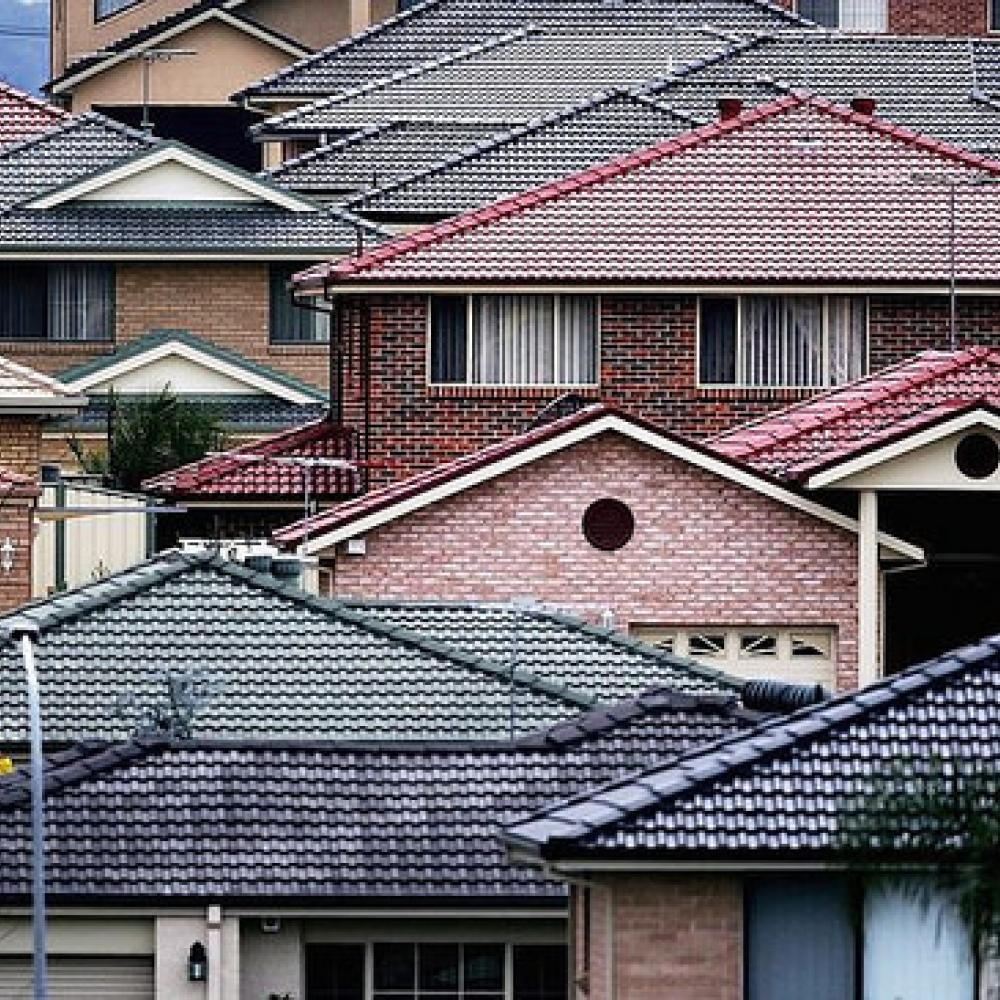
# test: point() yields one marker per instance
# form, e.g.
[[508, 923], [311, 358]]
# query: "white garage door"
[[81, 979]]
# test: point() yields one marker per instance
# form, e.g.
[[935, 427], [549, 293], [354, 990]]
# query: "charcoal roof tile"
[[407, 821], [515, 71], [782, 790], [434, 28]]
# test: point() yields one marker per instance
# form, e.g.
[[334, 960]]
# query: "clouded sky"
[[23, 60]]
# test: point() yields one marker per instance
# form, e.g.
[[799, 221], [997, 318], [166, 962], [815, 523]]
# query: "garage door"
[[81, 979]]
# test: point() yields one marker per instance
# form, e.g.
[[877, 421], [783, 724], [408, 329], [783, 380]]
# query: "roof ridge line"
[[361, 135], [341, 44], [825, 717], [72, 122], [435, 648], [408, 73], [506, 135], [959, 359]]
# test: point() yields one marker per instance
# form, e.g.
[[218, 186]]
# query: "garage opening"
[[78, 978]]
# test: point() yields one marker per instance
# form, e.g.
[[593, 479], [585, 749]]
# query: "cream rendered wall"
[[271, 963], [227, 60], [81, 935], [174, 937]]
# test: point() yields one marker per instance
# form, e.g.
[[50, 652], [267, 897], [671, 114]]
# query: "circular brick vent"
[[608, 525], [977, 456]]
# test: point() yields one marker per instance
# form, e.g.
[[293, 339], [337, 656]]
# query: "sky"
[[24, 61]]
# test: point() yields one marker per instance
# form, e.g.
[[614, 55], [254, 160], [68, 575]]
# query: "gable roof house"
[[749, 835], [178, 61], [115, 249]]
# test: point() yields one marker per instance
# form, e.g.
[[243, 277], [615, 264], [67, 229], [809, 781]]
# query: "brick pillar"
[[655, 936], [20, 451]]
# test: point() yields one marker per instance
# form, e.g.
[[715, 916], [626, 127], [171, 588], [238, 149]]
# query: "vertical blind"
[[66, 302], [292, 324], [514, 340], [870, 16]]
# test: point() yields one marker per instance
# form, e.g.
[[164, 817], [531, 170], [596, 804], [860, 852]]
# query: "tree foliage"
[[149, 436]]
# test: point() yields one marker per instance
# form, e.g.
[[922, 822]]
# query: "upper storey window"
[[106, 8], [864, 16], [994, 15]]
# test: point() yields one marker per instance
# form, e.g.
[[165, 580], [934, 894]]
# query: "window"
[[870, 16], [64, 302], [809, 919], [802, 341], [106, 8], [292, 324], [514, 340], [994, 15], [798, 655], [436, 971]]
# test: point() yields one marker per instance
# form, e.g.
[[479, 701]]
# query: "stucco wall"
[[705, 551]]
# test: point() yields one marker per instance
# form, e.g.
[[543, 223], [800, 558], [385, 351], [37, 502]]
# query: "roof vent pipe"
[[863, 104], [729, 108]]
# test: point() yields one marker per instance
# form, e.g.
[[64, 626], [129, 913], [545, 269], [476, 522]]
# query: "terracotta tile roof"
[[22, 116], [235, 474], [839, 424], [796, 190]]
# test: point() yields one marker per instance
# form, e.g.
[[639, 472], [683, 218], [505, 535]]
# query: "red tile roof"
[[22, 116], [798, 190], [241, 474], [842, 423]]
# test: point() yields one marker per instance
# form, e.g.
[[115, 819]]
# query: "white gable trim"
[[176, 348], [217, 14], [911, 443], [173, 154], [610, 422]]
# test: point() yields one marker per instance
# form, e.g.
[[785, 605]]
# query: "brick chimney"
[[863, 104], [729, 108]]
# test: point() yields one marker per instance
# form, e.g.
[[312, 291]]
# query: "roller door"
[[81, 979]]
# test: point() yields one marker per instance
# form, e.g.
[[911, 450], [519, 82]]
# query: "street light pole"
[[24, 632]]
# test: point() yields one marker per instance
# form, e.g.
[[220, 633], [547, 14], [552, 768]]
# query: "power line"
[[23, 31]]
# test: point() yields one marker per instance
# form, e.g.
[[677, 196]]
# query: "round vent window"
[[608, 525], [977, 456]]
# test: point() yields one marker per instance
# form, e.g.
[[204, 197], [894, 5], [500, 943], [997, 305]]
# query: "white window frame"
[[739, 384], [469, 334], [865, 31]]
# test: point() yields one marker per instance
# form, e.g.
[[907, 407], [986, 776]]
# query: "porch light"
[[197, 963]]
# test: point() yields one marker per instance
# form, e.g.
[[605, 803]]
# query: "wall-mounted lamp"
[[197, 963], [7, 555]]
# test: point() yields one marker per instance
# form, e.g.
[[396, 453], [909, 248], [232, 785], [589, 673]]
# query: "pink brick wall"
[[705, 551], [658, 936]]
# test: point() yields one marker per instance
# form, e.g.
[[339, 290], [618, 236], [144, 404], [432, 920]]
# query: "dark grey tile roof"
[[91, 144], [781, 790], [591, 132], [604, 662], [318, 823], [236, 414], [76, 148], [435, 28], [285, 664], [376, 155], [930, 85], [508, 81]]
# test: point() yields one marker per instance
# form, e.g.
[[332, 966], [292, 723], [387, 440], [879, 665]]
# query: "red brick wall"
[[930, 17], [20, 444], [663, 936], [226, 304], [648, 366], [705, 551]]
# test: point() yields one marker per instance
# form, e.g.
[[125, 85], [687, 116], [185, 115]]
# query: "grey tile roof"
[[285, 664], [585, 134], [781, 790], [91, 144], [932, 85], [320, 823], [376, 155], [435, 28], [560, 647], [507, 81]]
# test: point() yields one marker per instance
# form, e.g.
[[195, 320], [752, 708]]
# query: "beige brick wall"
[[20, 443], [654, 937], [705, 551]]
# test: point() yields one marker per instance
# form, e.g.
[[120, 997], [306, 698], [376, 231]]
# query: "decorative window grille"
[[522, 340], [798, 655], [858, 16], [790, 341]]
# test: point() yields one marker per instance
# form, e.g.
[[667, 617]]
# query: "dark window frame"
[[279, 298], [119, 7]]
